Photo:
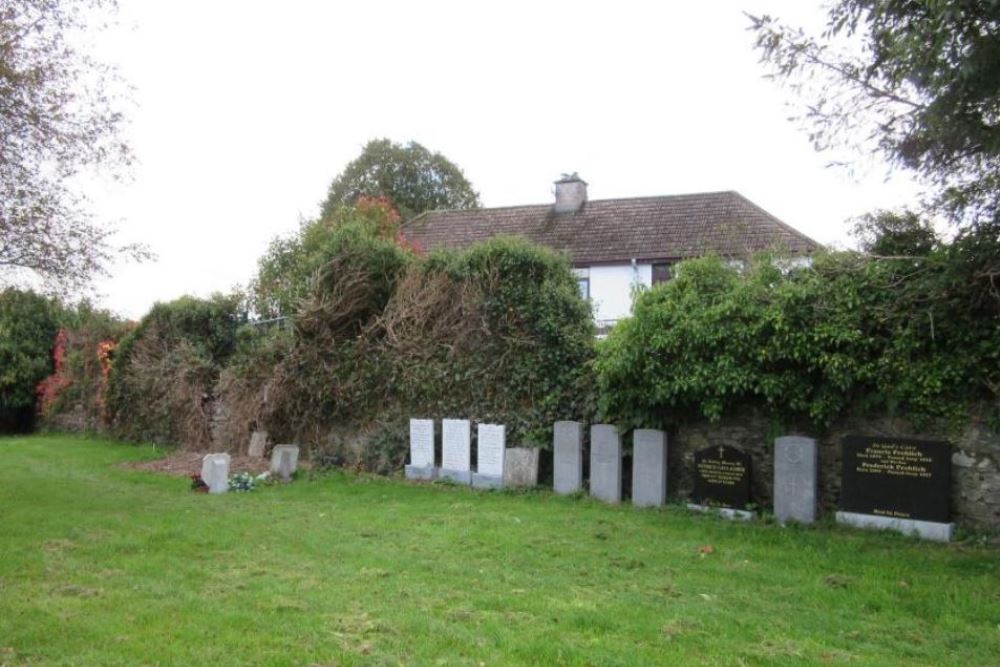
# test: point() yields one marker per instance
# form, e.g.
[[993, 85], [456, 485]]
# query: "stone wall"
[[975, 459]]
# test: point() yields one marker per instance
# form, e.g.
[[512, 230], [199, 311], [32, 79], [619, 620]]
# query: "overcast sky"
[[243, 112]]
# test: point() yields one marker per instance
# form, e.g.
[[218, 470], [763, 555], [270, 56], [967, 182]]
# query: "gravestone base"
[[730, 513], [421, 473], [463, 477], [520, 468], [486, 481], [928, 530]]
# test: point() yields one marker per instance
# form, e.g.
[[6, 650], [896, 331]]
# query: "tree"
[[415, 179], [28, 325], [58, 119], [921, 85]]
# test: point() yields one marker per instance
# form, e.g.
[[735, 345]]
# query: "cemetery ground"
[[106, 565]]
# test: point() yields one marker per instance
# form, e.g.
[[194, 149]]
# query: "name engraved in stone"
[[422, 442], [727, 473]]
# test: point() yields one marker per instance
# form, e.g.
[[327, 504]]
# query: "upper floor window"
[[661, 273]]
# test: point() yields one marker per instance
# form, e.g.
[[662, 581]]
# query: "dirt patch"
[[189, 463]]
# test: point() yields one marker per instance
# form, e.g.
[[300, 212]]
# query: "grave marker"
[[456, 437], [215, 472], [722, 480], [491, 441], [897, 483], [258, 443], [520, 468], [567, 446], [284, 461], [605, 463], [796, 467], [649, 468], [421, 450]]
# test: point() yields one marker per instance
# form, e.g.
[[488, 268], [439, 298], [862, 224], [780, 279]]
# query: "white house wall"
[[611, 288]]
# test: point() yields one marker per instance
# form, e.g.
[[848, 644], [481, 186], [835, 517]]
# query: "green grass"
[[101, 565]]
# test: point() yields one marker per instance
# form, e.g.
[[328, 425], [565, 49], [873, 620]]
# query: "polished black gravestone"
[[722, 477], [896, 478]]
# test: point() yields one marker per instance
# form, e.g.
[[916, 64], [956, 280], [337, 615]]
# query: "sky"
[[241, 114]]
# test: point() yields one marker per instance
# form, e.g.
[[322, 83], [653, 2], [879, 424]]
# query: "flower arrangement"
[[244, 481]]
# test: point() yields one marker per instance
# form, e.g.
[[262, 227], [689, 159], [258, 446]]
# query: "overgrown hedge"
[[915, 335], [28, 326]]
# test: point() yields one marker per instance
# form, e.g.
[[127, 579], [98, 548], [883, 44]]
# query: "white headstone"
[[567, 446], [796, 466], [258, 443], [456, 440], [605, 463], [421, 450], [491, 441], [215, 472], [649, 468], [284, 460]]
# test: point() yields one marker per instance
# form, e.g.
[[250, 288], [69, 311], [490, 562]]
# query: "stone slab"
[[725, 512], [491, 442], [567, 448], [605, 463], [422, 443], [421, 473], [520, 468], [486, 481], [284, 461], [258, 444], [928, 530], [796, 475], [649, 468], [215, 472], [722, 477], [463, 477], [456, 439]]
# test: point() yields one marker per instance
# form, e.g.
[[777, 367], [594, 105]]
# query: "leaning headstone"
[[491, 441], [796, 467], [722, 481], [605, 463], [649, 468], [456, 440], [520, 468], [898, 484], [258, 443], [567, 446], [421, 450], [284, 461], [215, 472]]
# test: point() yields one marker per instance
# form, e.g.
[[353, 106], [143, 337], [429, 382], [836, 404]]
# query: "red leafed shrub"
[[51, 387]]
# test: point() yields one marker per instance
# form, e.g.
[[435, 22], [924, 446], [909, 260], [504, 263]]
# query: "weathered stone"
[[567, 446], [796, 466], [215, 472], [521, 467], [284, 461], [421, 465], [605, 463], [456, 441], [491, 441], [258, 444], [928, 530], [649, 468]]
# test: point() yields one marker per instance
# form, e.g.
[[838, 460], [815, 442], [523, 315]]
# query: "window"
[[661, 273], [584, 284]]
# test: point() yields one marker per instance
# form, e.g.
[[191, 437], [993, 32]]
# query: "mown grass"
[[101, 565]]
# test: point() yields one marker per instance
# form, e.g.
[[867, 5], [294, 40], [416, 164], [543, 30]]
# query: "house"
[[616, 244]]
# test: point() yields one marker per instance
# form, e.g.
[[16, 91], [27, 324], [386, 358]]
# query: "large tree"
[[415, 179], [916, 80], [58, 120]]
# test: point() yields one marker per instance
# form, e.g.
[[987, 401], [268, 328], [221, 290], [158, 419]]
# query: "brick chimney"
[[571, 193]]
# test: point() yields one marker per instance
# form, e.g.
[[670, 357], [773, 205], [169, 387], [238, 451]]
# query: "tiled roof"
[[609, 230]]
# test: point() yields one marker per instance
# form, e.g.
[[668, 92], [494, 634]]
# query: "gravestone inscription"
[[605, 463], [896, 478], [649, 468], [567, 446], [456, 440], [421, 450], [722, 477], [491, 441], [796, 467]]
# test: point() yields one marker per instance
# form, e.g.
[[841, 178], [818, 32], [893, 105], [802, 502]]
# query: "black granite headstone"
[[722, 477], [897, 478]]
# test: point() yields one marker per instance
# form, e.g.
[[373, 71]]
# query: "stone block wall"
[[975, 470]]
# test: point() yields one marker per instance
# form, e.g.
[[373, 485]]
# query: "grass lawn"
[[101, 565]]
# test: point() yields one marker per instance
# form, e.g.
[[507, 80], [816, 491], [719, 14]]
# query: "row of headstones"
[[887, 483], [215, 467]]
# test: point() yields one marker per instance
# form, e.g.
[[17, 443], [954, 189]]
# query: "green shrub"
[[28, 326]]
